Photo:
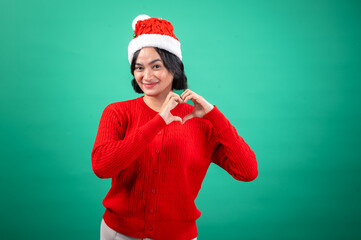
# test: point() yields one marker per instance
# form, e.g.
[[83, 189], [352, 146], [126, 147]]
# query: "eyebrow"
[[155, 60]]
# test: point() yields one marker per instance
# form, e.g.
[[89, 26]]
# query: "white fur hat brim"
[[154, 40]]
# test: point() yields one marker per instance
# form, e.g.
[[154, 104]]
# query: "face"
[[150, 73]]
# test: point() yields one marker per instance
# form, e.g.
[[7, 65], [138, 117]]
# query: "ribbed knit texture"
[[157, 169], [154, 26]]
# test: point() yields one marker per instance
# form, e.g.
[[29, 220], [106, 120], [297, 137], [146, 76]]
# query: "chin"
[[150, 92]]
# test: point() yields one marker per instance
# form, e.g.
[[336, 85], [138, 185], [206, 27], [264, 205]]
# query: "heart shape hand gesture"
[[201, 106]]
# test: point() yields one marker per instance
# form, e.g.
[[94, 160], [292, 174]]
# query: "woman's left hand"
[[201, 106]]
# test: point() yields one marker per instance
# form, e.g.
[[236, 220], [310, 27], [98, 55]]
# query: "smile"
[[149, 85]]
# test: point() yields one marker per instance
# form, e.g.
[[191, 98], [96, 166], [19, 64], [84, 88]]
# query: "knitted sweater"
[[157, 169]]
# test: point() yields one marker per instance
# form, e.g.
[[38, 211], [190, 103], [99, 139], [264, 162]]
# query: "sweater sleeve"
[[231, 153], [112, 152]]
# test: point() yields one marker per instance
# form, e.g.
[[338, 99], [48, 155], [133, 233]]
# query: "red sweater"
[[157, 169]]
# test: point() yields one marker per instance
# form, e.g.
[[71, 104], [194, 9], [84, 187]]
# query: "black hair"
[[171, 62]]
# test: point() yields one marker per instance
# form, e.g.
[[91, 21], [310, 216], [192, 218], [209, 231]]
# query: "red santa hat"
[[153, 32]]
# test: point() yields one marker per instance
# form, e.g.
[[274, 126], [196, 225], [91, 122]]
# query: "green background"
[[285, 73]]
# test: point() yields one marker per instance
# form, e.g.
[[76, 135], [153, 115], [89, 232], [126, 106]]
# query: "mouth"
[[150, 85]]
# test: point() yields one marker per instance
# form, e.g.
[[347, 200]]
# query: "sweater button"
[[155, 171], [151, 211], [153, 190], [160, 132], [150, 228], [157, 150]]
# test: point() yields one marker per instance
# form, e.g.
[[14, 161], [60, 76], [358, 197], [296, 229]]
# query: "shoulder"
[[124, 105], [121, 110]]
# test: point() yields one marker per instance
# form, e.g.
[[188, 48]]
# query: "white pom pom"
[[139, 18]]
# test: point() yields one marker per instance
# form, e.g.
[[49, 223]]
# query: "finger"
[[166, 101], [170, 95], [187, 117], [173, 99], [179, 99], [191, 97], [187, 96], [173, 102], [184, 93], [177, 119]]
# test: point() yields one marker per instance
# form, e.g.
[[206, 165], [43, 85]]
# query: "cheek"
[[167, 77], [137, 77], [138, 81]]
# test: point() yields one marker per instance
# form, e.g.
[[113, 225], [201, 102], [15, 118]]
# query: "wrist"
[[209, 108], [164, 118]]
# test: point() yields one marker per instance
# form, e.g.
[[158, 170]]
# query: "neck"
[[155, 102]]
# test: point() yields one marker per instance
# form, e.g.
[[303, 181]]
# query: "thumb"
[[177, 119], [187, 117]]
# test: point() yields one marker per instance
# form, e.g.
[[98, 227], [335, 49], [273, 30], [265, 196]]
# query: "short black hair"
[[171, 62]]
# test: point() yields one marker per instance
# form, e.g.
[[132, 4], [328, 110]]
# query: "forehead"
[[147, 55]]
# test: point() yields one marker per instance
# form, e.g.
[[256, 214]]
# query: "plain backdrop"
[[285, 73]]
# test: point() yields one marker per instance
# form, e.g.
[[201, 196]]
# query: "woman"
[[157, 148]]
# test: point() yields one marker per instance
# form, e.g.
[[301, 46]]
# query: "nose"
[[147, 75]]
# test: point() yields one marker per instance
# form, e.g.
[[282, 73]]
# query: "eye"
[[138, 68], [157, 66]]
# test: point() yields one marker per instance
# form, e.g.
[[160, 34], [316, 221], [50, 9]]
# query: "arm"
[[112, 152], [232, 153]]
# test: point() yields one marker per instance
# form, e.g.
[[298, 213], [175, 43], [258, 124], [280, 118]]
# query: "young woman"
[[157, 148]]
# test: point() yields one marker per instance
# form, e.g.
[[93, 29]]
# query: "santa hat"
[[153, 32]]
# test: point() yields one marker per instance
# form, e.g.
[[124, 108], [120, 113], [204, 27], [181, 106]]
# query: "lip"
[[149, 85]]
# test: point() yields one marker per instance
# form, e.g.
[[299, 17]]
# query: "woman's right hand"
[[170, 102]]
